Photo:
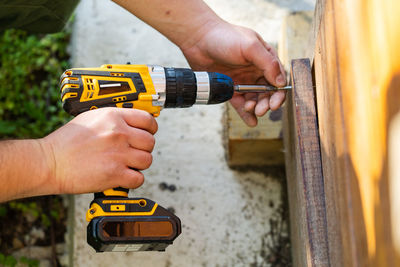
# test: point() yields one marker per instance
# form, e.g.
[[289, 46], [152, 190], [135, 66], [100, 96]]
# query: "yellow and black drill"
[[116, 222]]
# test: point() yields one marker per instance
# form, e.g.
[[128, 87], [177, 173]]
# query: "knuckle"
[[253, 44], [112, 168], [107, 112], [275, 63], [118, 135], [147, 160], [139, 179], [140, 113], [151, 143], [134, 179], [155, 125], [150, 123], [139, 176]]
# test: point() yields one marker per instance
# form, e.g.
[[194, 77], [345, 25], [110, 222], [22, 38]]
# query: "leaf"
[[55, 214], [29, 262], [3, 211], [29, 95], [10, 261], [45, 220], [7, 127]]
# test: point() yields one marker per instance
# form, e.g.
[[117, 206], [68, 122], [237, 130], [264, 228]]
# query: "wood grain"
[[304, 171], [357, 73], [258, 146], [297, 33]]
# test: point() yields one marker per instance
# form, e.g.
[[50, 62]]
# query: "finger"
[[238, 103], [131, 178], [141, 139], [138, 159], [277, 99], [262, 105], [266, 61], [250, 105], [273, 52], [139, 119], [251, 101]]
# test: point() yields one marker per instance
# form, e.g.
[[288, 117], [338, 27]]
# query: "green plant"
[[32, 208], [30, 68], [30, 107], [7, 260], [10, 261], [29, 262]]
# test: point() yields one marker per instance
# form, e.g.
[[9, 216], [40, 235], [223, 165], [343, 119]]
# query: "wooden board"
[[296, 38], [258, 146], [357, 73], [304, 171]]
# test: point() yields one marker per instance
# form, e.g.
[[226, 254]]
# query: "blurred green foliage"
[[30, 107], [11, 261], [32, 208], [30, 67]]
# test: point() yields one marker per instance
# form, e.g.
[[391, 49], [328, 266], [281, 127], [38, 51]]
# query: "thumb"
[[263, 58]]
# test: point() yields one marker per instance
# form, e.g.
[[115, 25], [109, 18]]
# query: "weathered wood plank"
[[319, 13], [357, 71], [297, 33], [258, 146], [304, 171]]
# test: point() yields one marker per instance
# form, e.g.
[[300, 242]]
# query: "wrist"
[[198, 30], [26, 169], [50, 184]]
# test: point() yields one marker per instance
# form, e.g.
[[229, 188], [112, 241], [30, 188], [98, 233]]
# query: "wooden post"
[[304, 171]]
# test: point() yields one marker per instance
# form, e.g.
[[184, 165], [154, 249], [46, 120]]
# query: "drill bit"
[[258, 88]]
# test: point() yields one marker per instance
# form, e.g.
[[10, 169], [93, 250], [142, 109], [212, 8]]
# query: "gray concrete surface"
[[225, 213]]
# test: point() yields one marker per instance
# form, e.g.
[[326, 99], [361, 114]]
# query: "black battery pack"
[[130, 224]]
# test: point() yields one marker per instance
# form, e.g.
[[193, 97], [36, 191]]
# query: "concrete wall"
[[225, 213]]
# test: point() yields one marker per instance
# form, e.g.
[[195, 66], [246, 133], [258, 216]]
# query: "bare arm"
[[24, 169], [178, 20]]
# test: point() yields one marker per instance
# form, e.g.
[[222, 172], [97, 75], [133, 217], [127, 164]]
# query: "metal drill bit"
[[258, 88]]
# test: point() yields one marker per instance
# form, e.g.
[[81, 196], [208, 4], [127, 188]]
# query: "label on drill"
[[130, 247]]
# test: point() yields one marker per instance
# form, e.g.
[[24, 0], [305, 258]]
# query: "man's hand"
[[98, 150], [244, 56], [210, 43], [102, 149]]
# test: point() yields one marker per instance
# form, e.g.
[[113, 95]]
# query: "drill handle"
[[115, 192]]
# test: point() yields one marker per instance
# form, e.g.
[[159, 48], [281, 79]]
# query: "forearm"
[[176, 19], [24, 169]]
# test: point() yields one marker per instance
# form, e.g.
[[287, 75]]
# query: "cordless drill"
[[116, 222]]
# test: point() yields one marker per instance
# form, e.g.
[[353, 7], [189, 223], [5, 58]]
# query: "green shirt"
[[35, 16]]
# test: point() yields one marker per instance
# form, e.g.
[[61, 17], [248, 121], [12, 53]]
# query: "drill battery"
[[122, 224]]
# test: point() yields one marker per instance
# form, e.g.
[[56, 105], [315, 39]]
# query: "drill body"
[[116, 222], [148, 88]]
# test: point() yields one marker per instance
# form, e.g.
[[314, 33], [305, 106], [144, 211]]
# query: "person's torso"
[[35, 16]]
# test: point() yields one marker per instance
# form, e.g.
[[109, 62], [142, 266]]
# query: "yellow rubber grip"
[[117, 192]]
